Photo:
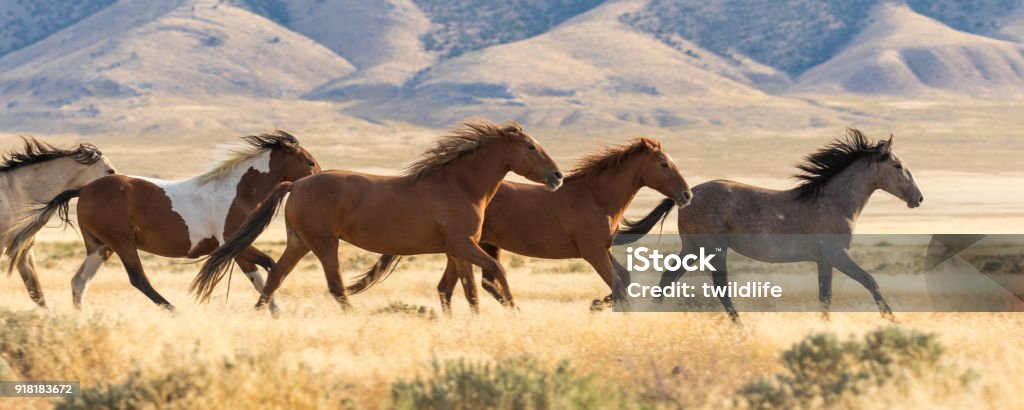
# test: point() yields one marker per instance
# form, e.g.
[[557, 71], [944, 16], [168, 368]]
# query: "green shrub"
[[519, 383], [821, 370], [244, 382], [402, 308]]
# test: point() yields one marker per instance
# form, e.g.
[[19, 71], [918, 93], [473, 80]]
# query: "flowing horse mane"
[[36, 151], [821, 166], [461, 141], [234, 155], [611, 156]]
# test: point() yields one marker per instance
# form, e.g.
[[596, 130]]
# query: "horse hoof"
[[597, 305], [825, 317]]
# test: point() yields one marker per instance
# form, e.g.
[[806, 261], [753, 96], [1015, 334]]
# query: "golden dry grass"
[[317, 355]]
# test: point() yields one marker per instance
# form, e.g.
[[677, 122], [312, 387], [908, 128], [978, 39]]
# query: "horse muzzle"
[[914, 203], [683, 199], [554, 181]]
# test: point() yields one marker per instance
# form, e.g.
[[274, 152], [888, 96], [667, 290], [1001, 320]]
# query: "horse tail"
[[630, 231], [220, 261], [380, 271], [22, 235]]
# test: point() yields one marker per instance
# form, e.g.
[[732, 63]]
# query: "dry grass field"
[[224, 355], [554, 353]]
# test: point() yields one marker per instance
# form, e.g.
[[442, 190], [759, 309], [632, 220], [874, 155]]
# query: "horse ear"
[[887, 145]]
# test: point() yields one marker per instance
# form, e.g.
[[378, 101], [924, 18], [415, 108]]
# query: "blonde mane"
[[460, 141], [232, 156]]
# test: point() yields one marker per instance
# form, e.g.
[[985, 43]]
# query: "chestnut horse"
[[436, 207], [577, 221], [176, 219], [34, 175], [811, 222]]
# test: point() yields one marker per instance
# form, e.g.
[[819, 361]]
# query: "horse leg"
[[689, 246], [825, 288], [293, 253], [326, 249], [845, 264], [248, 260], [27, 270], [720, 279], [446, 286], [623, 275], [465, 274], [255, 277], [137, 276], [489, 279], [472, 253], [601, 261], [96, 254]]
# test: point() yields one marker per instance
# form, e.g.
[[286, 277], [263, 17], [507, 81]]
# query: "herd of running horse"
[[452, 200]]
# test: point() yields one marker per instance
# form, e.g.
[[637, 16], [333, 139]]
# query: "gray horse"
[[35, 175], [812, 222]]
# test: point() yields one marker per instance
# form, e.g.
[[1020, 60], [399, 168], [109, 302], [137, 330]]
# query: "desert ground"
[[225, 355]]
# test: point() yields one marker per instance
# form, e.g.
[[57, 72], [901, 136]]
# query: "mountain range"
[[548, 63]]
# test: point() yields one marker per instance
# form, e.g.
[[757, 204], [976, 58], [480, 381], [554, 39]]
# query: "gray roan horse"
[[812, 222], [33, 176]]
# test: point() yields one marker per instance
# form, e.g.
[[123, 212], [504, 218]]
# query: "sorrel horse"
[[176, 219], [34, 175], [812, 222], [437, 206], [577, 221]]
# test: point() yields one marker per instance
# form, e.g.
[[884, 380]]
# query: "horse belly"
[[203, 213], [774, 248]]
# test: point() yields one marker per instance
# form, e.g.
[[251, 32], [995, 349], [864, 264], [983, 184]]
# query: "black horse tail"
[[380, 271], [22, 235], [631, 231], [220, 261]]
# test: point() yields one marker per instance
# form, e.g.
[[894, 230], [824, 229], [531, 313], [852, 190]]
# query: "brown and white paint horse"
[[436, 207], [177, 219], [33, 176], [577, 221]]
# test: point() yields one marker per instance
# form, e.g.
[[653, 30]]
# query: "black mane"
[[36, 151], [819, 167], [277, 139]]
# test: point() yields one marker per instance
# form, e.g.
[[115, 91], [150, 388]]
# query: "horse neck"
[[250, 187], [615, 188], [479, 173], [41, 182], [848, 192]]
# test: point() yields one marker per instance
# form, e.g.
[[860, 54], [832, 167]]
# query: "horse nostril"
[[687, 195], [558, 175], [921, 199]]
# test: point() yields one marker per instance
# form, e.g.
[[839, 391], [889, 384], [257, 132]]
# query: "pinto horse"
[[577, 221], [436, 207], [812, 222], [176, 219], [34, 175]]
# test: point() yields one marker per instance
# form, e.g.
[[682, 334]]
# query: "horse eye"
[[664, 165], [310, 163], [111, 172], [531, 147], [899, 166]]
